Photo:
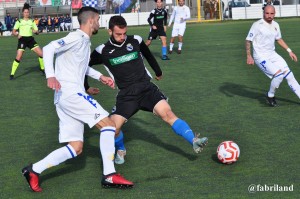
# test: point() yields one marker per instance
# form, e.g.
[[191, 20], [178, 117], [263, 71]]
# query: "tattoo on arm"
[[248, 47]]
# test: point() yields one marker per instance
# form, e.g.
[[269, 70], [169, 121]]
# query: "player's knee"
[[289, 76], [77, 146], [169, 116]]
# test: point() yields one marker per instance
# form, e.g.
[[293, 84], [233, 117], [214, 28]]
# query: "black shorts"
[[142, 96], [27, 42], [158, 32]]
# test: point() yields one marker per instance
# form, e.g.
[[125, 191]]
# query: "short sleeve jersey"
[[25, 27], [263, 36]]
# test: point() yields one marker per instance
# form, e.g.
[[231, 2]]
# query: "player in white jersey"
[[74, 106], [180, 14], [263, 35]]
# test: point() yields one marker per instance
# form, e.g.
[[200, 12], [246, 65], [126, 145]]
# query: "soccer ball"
[[228, 152]]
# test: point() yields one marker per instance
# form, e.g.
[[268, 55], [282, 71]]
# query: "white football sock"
[[54, 158], [292, 82], [180, 45], [276, 81], [107, 149], [171, 46]]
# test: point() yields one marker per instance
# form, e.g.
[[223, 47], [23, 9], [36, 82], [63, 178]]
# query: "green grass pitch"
[[209, 85]]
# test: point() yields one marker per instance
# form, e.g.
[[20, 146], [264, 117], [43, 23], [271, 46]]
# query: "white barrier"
[[132, 19]]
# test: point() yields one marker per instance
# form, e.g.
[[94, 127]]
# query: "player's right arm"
[[250, 59], [15, 29], [172, 17]]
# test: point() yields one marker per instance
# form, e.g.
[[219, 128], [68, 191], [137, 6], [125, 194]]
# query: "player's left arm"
[[282, 43], [151, 59], [187, 14], [34, 28]]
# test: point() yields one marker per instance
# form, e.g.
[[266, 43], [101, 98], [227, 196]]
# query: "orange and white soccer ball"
[[228, 152]]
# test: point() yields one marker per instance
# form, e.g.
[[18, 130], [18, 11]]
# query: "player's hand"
[[293, 56], [93, 91], [154, 27], [158, 78], [107, 81], [250, 60], [53, 83]]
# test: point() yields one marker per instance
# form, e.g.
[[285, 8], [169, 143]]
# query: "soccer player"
[[180, 14], [123, 56], [158, 27], [23, 29], [263, 35], [74, 106]]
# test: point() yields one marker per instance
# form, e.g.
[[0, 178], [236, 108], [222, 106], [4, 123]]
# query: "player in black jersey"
[[123, 56], [158, 27]]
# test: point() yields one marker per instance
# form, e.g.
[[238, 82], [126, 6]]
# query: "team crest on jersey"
[[129, 47], [61, 42], [251, 35]]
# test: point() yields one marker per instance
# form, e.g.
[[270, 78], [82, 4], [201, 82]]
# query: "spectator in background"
[[61, 22], [68, 22], [8, 22], [56, 24], [268, 2], [1, 28], [50, 24], [36, 21], [206, 8], [276, 3], [42, 24]]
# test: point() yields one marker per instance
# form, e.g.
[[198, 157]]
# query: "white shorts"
[[272, 64], [73, 112], [178, 29]]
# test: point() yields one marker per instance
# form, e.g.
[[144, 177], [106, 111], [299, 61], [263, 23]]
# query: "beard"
[[95, 32]]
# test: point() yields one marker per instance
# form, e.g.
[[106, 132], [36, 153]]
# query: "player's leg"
[[164, 47], [173, 35], [110, 178], [274, 72], [71, 132], [292, 82], [179, 126], [119, 144], [39, 53], [181, 30], [16, 62]]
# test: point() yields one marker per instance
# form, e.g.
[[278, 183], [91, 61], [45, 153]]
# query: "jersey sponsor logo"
[[123, 59], [111, 51], [61, 42], [88, 98], [129, 47], [160, 17]]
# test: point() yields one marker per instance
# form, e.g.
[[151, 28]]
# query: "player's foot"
[[165, 57], [271, 101], [179, 51], [119, 158], [32, 178], [199, 143], [115, 180], [170, 51], [11, 77]]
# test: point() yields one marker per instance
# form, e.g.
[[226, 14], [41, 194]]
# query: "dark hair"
[[85, 13], [26, 7], [117, 21], [156, 1]]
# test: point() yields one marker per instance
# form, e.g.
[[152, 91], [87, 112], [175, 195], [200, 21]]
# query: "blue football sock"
[[181, 128], [119, 141], [164, 50]]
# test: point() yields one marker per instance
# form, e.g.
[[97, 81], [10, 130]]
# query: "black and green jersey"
[[25, 27], [125, 61], [158, 17]]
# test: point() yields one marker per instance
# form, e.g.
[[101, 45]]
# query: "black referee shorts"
[[27, 42], [142, 96]]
